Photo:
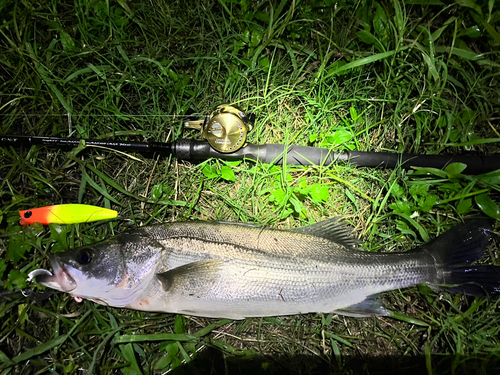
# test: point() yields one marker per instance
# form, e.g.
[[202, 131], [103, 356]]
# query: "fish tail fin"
[[455, 250], [473, 280]]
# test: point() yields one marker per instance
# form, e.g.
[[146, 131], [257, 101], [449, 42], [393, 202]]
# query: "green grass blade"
[[40, 349], [153, 337], [361, 62]]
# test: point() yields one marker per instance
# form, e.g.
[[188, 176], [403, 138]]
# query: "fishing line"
[[91, 115]]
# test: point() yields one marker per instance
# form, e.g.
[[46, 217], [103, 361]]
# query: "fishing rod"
[[225, 131]]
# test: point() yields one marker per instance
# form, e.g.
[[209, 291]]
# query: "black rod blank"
[[192, 150], [56, 142]]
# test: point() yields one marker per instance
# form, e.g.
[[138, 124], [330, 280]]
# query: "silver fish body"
[[216, 269]]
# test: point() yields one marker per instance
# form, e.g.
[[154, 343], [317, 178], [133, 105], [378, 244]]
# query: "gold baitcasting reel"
[[225, 129]]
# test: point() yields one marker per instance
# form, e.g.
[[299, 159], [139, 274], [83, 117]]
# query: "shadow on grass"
[[214, 362]]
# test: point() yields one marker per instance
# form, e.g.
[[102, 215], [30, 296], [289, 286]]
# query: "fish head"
[[112, 273]]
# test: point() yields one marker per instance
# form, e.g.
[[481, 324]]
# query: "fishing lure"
[[66, 214]]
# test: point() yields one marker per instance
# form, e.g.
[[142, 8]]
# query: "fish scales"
[[269, 266], [217, 269]]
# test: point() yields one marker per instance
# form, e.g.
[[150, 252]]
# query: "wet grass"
[[417, 78]]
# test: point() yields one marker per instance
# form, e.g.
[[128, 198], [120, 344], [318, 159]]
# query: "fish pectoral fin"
[[193, 279], [365, 309], [333, 229]]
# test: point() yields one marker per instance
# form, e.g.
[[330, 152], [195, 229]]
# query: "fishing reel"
[[225, 129]]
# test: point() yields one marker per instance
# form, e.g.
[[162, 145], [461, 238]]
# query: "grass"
[[421, 77]]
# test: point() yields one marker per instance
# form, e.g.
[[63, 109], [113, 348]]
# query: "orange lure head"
[[35, 215]]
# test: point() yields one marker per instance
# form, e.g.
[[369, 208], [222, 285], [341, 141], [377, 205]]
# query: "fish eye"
[[28, 214], [84, 257]]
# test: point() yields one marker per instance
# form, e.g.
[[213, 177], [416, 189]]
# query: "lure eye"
[[28, 214], [84, 257]]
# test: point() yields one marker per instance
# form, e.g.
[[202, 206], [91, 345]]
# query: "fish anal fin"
[[192, 279], [333, 229], [367, 308]]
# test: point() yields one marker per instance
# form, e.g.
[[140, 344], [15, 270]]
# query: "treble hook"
[[37, 296]]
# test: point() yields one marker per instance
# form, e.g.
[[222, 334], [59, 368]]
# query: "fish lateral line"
[[211, 274]]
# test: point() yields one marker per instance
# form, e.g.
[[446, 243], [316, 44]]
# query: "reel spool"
[[225, 129]]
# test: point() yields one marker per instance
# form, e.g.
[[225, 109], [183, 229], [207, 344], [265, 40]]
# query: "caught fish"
[[227, 270]]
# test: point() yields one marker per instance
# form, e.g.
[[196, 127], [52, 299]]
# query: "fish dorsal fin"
[[333, 230], [367, 308], [193, 279]]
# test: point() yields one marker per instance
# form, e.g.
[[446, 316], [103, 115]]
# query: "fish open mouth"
[[61, 279]]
